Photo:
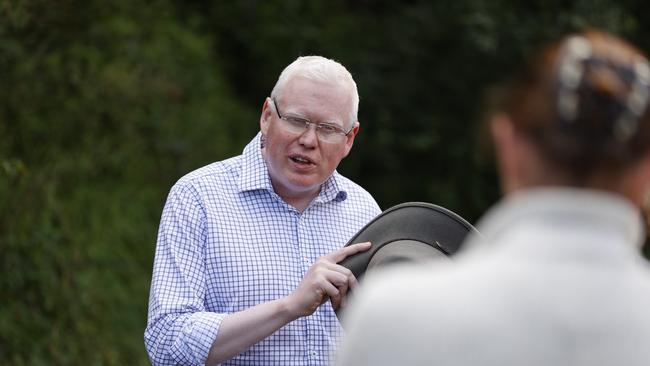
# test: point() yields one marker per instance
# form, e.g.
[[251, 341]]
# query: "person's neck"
[[299, 204], [299, 200]]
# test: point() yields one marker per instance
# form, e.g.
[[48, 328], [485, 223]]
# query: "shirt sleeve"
[[179, 329]]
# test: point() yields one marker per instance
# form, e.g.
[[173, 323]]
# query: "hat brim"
[[408, 232], [397, 230]]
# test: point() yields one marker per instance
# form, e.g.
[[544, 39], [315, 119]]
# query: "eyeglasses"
[[326, 132]]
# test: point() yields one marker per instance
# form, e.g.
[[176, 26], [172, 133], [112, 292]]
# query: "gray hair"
[[322, 69]]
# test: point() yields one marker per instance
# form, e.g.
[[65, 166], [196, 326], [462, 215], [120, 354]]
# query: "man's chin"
[[305, 186]]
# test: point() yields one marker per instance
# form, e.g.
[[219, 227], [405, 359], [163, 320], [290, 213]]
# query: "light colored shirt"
[[228, 242], [556, 279]]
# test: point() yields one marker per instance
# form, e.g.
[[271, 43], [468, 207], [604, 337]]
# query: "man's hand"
[[324, 280]]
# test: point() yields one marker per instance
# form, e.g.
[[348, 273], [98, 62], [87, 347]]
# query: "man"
[[248, 247], [557, 277]]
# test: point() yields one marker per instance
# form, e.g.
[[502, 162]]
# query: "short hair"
[[322, 69]]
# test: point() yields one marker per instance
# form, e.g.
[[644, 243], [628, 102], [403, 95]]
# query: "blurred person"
[[247, 250], [556, 278]]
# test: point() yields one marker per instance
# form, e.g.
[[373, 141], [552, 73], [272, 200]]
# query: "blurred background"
[[105, 104]]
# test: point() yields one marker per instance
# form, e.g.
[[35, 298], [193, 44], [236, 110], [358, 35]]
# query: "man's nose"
[[309, 137]]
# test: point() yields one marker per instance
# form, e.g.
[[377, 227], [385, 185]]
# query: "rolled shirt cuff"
[[197, 336]]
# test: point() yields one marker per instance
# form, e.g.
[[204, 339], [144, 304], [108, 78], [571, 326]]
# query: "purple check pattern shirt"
[[228, 242]]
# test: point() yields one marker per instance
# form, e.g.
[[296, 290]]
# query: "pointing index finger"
[[347, 251]]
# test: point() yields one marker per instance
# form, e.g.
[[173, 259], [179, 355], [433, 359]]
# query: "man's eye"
[[297, 121], [328, 128]]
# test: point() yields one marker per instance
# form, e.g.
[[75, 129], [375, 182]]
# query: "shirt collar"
[[584, 209], [331, 190], [255, 176]]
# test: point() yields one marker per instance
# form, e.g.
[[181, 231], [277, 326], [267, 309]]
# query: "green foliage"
[[109, 104], [104, 104], [421, 67]]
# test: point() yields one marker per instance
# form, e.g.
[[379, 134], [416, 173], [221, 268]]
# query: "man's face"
[[299, 163]]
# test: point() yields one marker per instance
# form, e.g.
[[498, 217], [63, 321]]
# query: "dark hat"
[[408, 232]]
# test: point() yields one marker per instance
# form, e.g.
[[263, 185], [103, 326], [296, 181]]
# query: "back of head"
[[583, 103], [320, 69]]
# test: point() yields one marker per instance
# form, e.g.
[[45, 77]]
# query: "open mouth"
[[299, 159]]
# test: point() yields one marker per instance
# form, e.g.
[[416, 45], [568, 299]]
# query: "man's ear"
[[265, 117], [349, 141]]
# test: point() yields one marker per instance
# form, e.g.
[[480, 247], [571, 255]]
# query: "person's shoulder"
[[394, 284], [643, 271], [402, 291], [345, 181], [208, 179], [353, 189], [439, 281], [427, 273], [211, 171]]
